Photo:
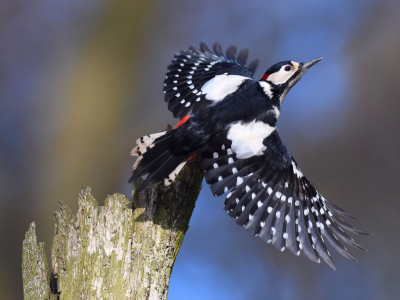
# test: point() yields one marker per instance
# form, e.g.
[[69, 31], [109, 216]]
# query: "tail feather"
[[166, 169], [155, 160], [149, 141], [144, 169], [171, 177]]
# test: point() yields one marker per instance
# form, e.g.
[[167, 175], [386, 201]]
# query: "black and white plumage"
[[185, 85], [229, 120]]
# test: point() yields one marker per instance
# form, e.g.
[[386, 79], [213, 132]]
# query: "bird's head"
[[284, 75]]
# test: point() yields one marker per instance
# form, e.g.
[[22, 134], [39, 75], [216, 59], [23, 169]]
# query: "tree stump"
[[122, 250]]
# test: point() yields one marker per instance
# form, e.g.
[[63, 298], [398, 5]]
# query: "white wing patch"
[[247, 139], [217, 88]]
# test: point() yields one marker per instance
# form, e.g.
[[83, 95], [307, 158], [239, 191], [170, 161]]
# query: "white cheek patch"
[[247, 139], [281, 76], [267, 88], [220, 86]]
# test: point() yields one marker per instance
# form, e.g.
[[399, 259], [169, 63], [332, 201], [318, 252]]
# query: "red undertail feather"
[[183, 120]]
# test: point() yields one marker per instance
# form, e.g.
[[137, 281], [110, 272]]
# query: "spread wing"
[[271, 198], [191, 69]]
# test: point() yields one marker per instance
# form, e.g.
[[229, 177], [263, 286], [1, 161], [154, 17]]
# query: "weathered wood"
[[35, 272], [122, 250]]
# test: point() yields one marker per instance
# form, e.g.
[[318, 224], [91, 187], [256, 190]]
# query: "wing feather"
[[242, 58], [269, 195], [191, 69]]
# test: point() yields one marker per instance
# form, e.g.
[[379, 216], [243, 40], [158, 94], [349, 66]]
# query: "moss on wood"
[[35, 275], [122, 250]]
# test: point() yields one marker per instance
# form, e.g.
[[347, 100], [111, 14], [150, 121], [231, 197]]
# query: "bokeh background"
[[81, 80]]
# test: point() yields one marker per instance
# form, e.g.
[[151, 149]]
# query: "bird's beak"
[[303, 67]]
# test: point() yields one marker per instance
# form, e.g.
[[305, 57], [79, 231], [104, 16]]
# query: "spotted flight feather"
[[269, 195]]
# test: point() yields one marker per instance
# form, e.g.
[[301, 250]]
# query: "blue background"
[[81, 80]]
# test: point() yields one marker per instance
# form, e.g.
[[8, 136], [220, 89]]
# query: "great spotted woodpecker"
[[229, 120]]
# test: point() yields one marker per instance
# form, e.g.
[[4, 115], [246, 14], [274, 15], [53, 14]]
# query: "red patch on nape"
[[192, 156], [183, 120], [265, 76]]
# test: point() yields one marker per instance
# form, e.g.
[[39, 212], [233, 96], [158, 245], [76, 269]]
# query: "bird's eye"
[[288, 68]]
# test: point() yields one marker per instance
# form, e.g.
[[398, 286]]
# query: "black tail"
[[155, 161]]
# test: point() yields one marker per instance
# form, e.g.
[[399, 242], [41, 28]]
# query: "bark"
[[35, 272], [122, 250]]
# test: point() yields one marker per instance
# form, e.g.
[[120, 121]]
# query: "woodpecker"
[[229, 120]]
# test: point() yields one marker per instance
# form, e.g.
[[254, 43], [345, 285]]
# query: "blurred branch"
[[124, 250]]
